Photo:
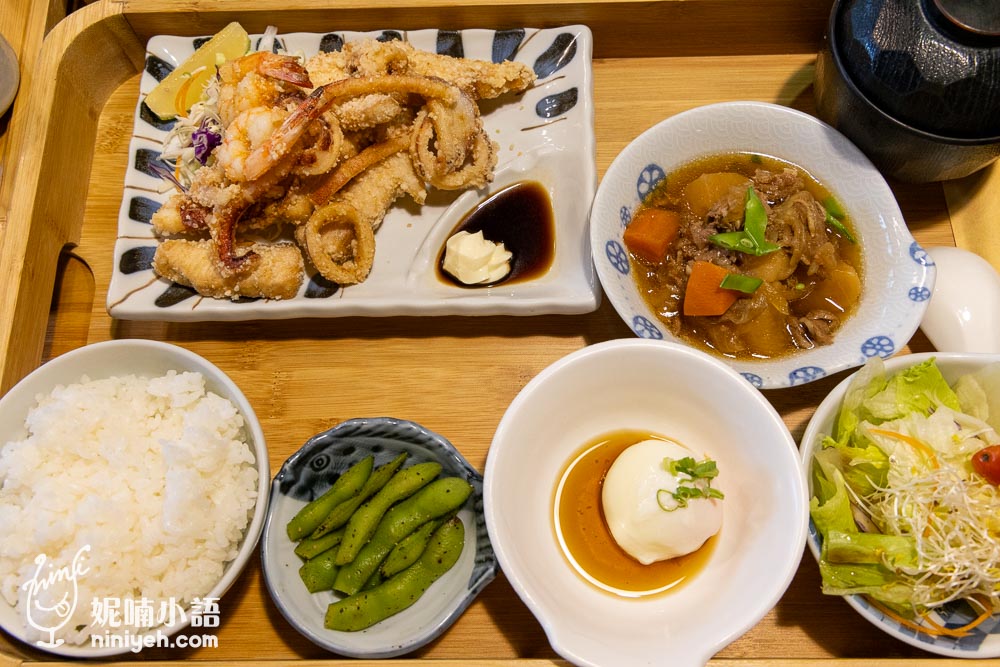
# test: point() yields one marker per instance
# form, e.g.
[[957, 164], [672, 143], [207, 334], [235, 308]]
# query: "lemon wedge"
[[183, 87]]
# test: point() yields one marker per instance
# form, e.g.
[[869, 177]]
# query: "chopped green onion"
[[745, 284], [699, 473]]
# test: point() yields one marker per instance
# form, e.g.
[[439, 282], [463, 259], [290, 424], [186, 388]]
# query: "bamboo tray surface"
[[453, 375]]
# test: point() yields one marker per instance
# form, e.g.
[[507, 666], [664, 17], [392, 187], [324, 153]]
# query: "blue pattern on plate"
[[449, 43], [755, 380], [557, 104], [920, 255], [878, 345], [559, 54], [806, 374], [918, 294], [648, 179], [141, 209], [626, 216], [506, 44], [617, 257], [643, 328], [137, 259]]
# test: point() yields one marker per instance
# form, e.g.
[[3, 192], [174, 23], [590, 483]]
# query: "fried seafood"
[[318, 152], [278, 274]]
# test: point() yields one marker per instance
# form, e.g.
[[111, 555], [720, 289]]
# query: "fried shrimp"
[[260, 79], [318, 151]]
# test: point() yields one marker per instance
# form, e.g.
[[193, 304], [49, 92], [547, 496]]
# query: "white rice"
[[153, 475]]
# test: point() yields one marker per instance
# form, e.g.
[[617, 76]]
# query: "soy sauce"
[[519, 216]]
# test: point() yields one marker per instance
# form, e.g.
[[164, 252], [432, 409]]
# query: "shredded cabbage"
[[903, 517]]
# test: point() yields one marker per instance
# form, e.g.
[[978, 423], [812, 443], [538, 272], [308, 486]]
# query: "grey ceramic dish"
[[311, 471]]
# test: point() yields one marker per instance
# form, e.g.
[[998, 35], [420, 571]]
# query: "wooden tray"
[[454, 375]]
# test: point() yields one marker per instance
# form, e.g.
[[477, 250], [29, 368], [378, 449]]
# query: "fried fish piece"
[[480, 79], [278, 274]]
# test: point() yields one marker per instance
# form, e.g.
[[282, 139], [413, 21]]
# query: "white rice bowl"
[[149, 481]]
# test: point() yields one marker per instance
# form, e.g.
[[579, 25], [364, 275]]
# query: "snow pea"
[[365, 609]]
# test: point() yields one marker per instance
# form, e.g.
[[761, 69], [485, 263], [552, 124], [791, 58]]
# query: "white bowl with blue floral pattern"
[[897, 274], [983, 641]]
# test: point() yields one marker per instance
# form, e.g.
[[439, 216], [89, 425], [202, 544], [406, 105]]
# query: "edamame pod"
[[437, 499], [363, 523], [367, 608], [310, 548], [350, 482], [406, 553], [342, 512], [319, 573]]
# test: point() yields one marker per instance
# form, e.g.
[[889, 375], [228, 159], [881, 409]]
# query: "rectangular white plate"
[[545, 134]]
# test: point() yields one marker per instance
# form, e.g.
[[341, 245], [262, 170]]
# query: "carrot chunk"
[[703, 296], [651, 232]]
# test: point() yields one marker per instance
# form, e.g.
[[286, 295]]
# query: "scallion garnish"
[[698, 482]]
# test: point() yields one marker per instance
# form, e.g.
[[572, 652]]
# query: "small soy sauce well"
[[519, 216]]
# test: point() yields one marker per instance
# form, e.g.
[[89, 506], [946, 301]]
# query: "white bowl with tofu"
[[543, 498]]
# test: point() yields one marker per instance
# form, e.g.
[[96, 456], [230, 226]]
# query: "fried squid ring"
[[340, 243], [294, 126], [475, 173]]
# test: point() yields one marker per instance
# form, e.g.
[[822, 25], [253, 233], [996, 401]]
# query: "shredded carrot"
[[703, 295], [968, 627], [651, 232], [913, 442], [181, 98], [933, 628]]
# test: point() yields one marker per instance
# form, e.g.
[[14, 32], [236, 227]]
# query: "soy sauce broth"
[[583, 533], [519, 216], [662, 285]]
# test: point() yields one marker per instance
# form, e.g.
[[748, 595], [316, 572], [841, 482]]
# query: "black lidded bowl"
[[914, 83]]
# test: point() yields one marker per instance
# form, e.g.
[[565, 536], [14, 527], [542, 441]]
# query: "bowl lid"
[[932, 64]]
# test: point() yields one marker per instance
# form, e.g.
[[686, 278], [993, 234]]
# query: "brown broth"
[[586, 539], [769, 336], [519, 216]]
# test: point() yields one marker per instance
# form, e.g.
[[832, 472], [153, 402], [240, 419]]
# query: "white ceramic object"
[[681, 393], [10, 75], [145, 358], [308, 473], [983, 641], [963, 314], [544, 135], [897, 276]]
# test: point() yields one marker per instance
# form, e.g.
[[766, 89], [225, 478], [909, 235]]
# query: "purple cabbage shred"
[[204, 140]]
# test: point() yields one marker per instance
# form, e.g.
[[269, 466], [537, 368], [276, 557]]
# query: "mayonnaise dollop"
[[637, 521], [474, 260]]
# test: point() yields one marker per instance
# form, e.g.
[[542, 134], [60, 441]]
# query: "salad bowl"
[[955, 628]]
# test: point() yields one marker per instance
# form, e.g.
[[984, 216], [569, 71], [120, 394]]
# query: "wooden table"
[[652, 60]]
